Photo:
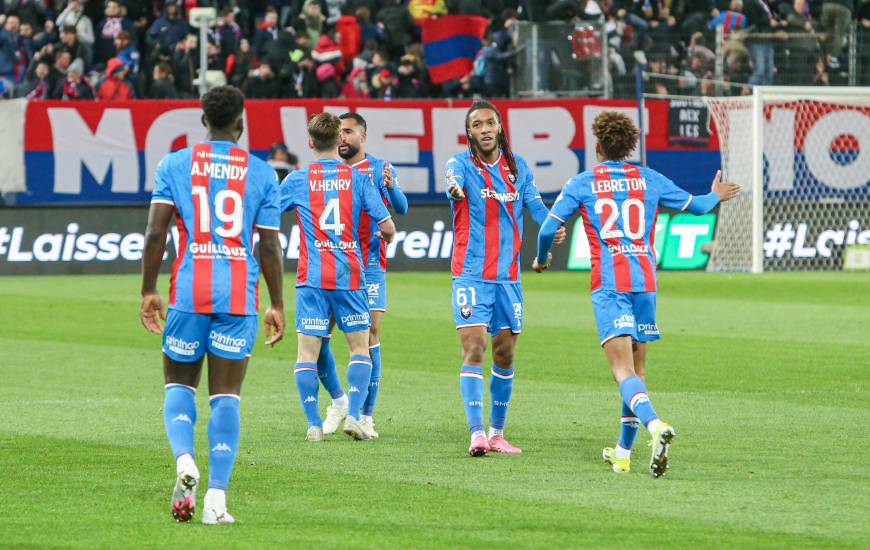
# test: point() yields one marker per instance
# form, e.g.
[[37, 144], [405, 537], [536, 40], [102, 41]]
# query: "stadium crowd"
[[124, 49]]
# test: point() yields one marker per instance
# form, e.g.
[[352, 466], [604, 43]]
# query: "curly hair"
[[323, 129], [616, 133], [222, 106]]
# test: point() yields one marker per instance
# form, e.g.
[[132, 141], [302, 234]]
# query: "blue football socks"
[[374, 382], [471, 388], [633, 392], [179, 417], [326, 370], [305, 375], [628, 427], [359, 372], [501, 384], [223, 439]]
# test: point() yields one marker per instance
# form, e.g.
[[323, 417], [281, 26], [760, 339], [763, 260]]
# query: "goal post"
[[802, 156]]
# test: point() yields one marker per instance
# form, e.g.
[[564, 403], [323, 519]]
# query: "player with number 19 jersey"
[[220, 194], [329, 198], [619, 205]]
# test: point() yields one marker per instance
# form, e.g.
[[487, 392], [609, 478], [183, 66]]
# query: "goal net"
[[802, 156]]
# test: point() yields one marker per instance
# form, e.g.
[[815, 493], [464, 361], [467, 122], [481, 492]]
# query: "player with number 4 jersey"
[[329, 198], [619, 204]]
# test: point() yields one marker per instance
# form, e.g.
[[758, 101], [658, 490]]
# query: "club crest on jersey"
[[511, 177], [465, 312]]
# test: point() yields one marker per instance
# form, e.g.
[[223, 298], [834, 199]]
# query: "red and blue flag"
[[450, 44]]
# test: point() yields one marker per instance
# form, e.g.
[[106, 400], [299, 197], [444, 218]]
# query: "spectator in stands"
[[112, 24], [398, 26], [327, 80], [836, 17], [74, 16], [262, 84], [185, 63], [163, 84], [9, 47], [369, 31], [496, 58], [168, 29], [356, 86], [760, 22], [267, 32], [305, 79], [410, 78], [115, 86], [228, 31], [39, 83], [29, 12], [730, 19], [127, 52], [76, 86], [327, 51], [69, 42], [242, 64], [313, 19], [384, 84], [349, 35]]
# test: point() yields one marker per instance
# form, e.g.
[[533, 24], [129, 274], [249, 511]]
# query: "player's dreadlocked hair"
[[222, 106], [501, 139]]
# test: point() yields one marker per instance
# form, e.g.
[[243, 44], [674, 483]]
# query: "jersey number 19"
[[232, 216]]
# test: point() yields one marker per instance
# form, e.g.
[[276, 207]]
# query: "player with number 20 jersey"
[[619, 204]]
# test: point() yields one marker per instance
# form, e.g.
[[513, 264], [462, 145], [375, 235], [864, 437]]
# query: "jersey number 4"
[[225, 214], [633, 218], [331, 210]]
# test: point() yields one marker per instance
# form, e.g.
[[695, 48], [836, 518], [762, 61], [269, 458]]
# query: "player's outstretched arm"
[[271, 262], [151, 310], [720, 192], [546, 237]]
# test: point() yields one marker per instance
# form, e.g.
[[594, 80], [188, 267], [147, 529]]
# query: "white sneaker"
[[334, 416], [368, 424], [353, 429], [183, 503], [315, 433], [214, 508]]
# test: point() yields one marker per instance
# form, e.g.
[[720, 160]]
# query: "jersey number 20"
[[231, 214], [632, 214]]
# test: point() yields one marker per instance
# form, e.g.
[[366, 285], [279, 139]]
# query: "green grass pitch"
[[765, 379]]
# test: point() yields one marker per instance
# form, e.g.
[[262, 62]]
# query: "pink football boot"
[[499, 444], [479, 445]]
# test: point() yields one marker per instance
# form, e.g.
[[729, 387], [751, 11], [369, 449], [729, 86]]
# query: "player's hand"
[[274, 321], [540, 268], [455, 191], [151, 312], [725, 191], [388, 176], [561, 235]]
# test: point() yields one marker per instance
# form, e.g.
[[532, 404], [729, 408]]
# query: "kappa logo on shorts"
[[626, 320], [465, 312]]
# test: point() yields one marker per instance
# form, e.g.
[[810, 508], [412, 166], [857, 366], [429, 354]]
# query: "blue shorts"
[[376, 284], [625, 314], [187, 336], [497, 306], [314, 307]]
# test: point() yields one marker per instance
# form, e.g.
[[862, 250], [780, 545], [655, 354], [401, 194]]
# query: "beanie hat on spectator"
[[77, 66], [325, 71], [114, 65], [378, 79]]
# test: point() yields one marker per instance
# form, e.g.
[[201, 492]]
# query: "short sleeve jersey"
[[488, 221], [374, 249], [619, 204], [220, 194], [329, 198]]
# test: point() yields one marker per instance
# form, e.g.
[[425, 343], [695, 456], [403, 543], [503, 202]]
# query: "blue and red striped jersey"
[[220, 195], [488, 221], [374, 249], [329, 198], [619, 205]]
